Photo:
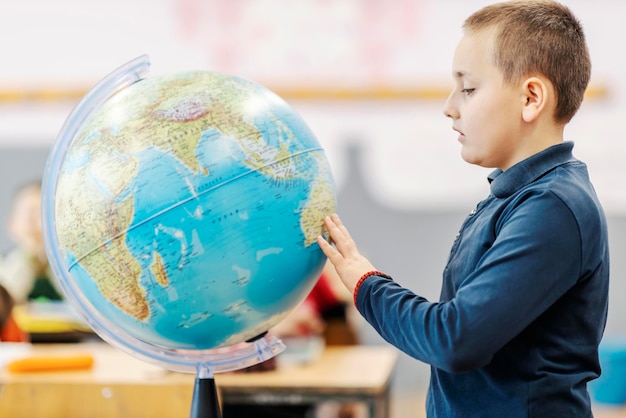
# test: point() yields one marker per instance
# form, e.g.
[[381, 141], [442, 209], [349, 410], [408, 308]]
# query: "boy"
[[524, 297]]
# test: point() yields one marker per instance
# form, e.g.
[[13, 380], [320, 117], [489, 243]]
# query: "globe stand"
[[205, 402]]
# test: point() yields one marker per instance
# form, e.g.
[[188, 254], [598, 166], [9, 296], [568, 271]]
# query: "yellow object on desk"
[[51, 363], [48, 317]]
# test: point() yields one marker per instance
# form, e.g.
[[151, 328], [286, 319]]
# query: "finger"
[[335, 228], [341, 228], [324, 245], [331, 252], [337, 220], [340, 235]]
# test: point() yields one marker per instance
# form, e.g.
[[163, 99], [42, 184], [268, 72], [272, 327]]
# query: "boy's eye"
[[467, 91]]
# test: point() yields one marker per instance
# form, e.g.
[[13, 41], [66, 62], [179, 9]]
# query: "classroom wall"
[[402, 187], [65, 46]]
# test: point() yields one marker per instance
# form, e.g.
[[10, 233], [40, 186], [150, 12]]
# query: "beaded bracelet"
[[365, 276]]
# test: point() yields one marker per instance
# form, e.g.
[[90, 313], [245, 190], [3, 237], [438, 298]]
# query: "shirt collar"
[[505, 183]]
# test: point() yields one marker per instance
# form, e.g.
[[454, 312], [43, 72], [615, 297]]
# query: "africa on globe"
[[184, 210]]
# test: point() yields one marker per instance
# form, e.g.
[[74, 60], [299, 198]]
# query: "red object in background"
[[322, 297], [11, 332]]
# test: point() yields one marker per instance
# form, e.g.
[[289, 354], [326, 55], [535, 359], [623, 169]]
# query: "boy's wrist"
[[365, 277]]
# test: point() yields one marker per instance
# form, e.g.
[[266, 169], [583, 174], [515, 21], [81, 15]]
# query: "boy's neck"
[[535, 138]]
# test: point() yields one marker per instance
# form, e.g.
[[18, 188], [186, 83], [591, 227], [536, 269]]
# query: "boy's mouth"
[[461, 134]]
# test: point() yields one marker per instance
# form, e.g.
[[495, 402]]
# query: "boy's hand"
[[344, 255]]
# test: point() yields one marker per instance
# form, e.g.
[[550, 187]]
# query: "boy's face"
[[484, 110]]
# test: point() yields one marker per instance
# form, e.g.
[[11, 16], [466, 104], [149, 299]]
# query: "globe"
[[180, 213]]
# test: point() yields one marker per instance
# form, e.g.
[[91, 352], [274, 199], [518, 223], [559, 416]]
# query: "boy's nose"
[[449, 110]]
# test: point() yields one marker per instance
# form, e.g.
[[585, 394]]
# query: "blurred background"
[[369, 76]]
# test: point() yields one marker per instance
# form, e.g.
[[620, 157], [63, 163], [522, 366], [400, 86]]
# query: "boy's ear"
[[536, 95]]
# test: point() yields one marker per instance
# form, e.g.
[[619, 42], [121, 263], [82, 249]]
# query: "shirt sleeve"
[[533, 260]]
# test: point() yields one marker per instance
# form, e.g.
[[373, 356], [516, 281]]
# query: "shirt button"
[[473, 212], [456, 237]]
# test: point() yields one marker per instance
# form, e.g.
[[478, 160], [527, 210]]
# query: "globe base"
[[205, 402]]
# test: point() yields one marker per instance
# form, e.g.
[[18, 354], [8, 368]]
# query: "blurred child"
[[24, 271]]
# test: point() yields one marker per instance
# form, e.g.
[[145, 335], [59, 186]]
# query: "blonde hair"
[[539, 37]]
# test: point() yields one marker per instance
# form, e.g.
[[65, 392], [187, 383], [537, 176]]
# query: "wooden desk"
[[121, 386]]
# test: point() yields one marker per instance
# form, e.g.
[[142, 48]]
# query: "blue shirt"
[[523, 301]]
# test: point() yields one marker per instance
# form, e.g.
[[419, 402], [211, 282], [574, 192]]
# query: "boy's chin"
[[475, 158], [469, 157]]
